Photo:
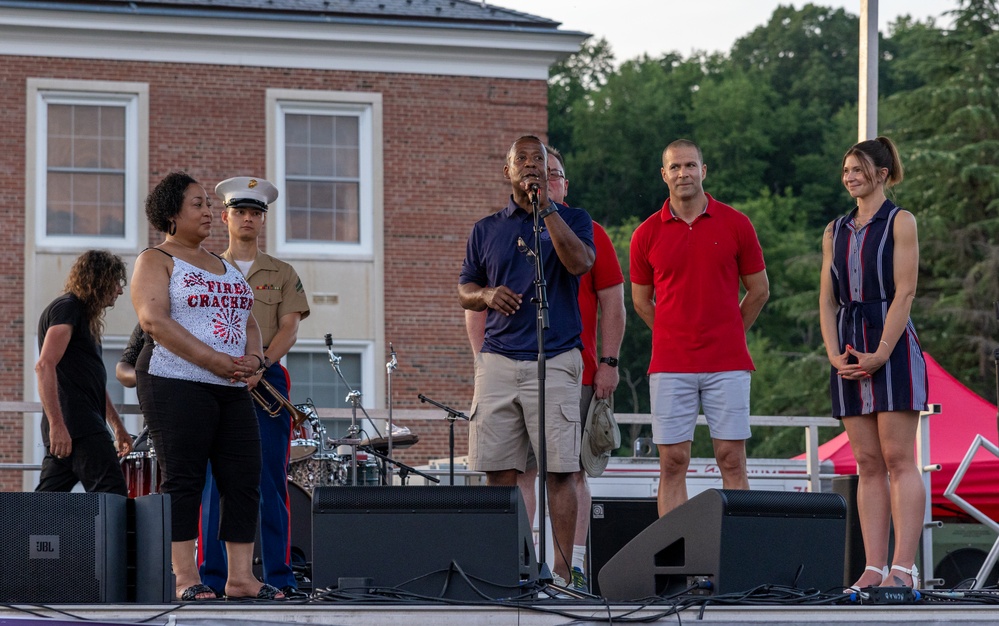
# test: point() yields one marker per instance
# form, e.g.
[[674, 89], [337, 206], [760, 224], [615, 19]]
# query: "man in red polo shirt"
[[687, 263]]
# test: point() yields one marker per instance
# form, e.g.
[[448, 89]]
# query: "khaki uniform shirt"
[[277, 291]]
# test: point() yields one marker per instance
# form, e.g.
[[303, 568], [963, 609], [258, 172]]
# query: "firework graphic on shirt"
[[193, 278], [227, 326]]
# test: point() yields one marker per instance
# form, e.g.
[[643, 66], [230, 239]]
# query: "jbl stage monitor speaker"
[[62, 548], [407, 537], [613, 523], [735, 540], [150, 575]]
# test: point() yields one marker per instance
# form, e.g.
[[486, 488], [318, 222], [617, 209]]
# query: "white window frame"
[[366, 107], [134, 98]]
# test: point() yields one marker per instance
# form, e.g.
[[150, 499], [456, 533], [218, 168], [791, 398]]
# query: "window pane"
[[321, 161], [86, 152], [297, 160], [347, 133], [112, 154], [297, 195], [296, 129], [321, 228], [60, 150], [321, 196], [298, 225], [313, 378], [86, 158], [346, 227], [321, 130], [112, 122], [347, 163], [323, 177]]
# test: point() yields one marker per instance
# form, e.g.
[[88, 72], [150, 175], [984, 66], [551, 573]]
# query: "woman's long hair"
[[94, 278]]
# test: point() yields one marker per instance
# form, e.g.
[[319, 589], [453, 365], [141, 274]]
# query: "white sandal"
[[880, 570], [913, 573]]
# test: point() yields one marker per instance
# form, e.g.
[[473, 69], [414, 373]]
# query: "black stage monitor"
[[423, 540]]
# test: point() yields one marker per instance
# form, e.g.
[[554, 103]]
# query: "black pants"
[[191, 424], [93, 462]]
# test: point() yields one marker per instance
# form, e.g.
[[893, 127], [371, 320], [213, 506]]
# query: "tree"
[[570, 82], [948, 132]]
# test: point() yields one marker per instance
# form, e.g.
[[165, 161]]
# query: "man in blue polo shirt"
[[497, 274]]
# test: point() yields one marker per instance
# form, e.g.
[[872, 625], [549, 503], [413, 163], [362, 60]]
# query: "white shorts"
[[676, 398]]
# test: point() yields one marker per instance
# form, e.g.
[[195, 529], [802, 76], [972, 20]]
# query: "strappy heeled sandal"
[[880, 570], [913, 573]]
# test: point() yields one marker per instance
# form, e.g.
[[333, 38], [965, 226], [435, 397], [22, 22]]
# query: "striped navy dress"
[[863, 280]]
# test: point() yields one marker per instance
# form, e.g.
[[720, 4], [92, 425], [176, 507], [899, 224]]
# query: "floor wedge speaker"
[[724, 541], [62, 548], [457, 542], [613, 523]]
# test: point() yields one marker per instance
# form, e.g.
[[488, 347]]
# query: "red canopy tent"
[[963, 414]]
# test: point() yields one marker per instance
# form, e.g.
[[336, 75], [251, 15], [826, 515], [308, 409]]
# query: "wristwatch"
[[609, 360], [548, 210]]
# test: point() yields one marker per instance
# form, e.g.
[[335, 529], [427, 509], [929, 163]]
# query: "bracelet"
[[886, 344], [263, 364]]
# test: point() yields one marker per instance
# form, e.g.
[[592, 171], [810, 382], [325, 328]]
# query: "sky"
[[636, 26]]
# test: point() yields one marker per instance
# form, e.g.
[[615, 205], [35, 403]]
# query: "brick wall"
[[444, 142]]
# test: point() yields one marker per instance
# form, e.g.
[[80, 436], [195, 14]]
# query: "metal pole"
[[867, 99]]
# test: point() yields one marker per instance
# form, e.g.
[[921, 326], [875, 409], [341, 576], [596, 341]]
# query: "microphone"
[[532, 192]]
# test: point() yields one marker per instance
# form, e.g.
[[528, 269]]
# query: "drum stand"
[[354, 397], [389, 368], [404, 470]]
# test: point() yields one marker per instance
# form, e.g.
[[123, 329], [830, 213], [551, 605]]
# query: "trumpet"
[[277, 403]]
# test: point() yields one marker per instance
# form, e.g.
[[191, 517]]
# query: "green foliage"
[[948, 132]]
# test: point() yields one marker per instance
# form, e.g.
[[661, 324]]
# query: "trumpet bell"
[[276, 402]]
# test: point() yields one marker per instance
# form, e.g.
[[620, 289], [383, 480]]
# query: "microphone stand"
[[389, 368], [451, 416], [541, 300], [354, 397], [404, 470]]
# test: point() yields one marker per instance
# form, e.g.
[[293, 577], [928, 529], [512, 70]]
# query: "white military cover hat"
[[246, 192]]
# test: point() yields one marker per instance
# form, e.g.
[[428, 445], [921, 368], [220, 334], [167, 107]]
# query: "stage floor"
[[536, 613]]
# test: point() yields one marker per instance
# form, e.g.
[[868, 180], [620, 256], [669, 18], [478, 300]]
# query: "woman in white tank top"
[[191, 384]]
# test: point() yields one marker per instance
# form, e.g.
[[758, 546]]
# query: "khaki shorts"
[[504, 415]]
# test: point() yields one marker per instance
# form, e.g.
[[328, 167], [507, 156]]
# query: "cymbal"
[[380, 444]]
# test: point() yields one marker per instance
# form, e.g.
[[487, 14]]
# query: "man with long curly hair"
[[72, 379]]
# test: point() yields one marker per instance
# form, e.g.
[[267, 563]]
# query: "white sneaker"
[[558, 581]]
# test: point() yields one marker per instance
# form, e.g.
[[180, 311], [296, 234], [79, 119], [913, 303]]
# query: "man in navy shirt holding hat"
[[279, 304]]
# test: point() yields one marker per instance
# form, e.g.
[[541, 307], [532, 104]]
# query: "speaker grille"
[[416, 498], [749, 503], [71, 518]]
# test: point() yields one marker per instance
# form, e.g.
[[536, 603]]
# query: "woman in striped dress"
[[870, 259]]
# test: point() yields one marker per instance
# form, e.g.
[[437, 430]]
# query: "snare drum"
[[306, 437], [303, 443], [142, 474]]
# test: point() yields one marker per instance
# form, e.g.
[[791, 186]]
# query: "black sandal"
[[266, 592], [191, 593]]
